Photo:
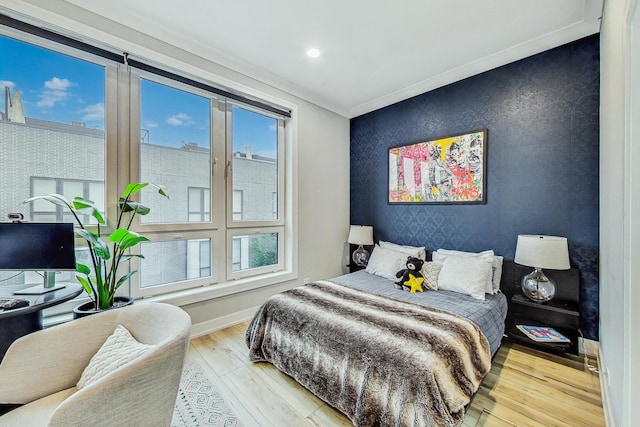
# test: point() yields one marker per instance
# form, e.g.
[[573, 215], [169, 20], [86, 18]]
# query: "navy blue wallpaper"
[[542, 165]]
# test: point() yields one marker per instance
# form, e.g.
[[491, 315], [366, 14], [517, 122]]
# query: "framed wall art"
[[444, 170]]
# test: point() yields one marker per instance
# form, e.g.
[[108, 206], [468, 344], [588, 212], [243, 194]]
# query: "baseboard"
[[604, 388], [204, 328]]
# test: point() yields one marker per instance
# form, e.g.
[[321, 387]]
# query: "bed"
[[380, 355]]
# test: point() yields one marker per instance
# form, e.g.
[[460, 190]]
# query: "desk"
[[22, 321]]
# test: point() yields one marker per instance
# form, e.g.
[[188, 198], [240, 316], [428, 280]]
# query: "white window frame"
[[280, 165], [240, 227], [144, 292], [273, 268], [122, 164], [180, 230]]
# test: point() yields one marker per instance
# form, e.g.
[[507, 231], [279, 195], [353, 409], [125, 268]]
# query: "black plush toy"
[[408, 283]]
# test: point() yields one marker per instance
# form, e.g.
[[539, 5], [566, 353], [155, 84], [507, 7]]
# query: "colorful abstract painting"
[[444, 170]]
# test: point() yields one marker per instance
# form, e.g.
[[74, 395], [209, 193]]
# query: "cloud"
[[56, 90], [180, 119], [93, 112], [273, 127], [58, 84], [7, 83], [149, 124]]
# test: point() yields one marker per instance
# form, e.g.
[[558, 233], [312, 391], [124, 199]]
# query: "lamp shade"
[[361, 235], [542, 252]]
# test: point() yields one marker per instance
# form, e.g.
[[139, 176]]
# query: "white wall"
[[321, 152], [619, 204]]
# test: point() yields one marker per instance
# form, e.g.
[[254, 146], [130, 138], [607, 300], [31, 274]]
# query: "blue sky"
[[63, 89]]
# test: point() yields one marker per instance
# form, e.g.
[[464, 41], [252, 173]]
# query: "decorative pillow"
[[118, 350], [497, 273], [430, 271], [415, 251], [386, 262], [465, 275], [493, 283]]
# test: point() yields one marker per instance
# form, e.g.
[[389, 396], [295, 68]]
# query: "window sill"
[[217, 290], [195, 295]]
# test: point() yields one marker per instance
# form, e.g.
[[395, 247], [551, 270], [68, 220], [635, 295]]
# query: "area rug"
[[199, 403]]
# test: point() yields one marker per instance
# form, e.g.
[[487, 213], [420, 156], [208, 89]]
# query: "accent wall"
[[542, 117]]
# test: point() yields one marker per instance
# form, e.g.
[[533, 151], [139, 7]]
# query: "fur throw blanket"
[[380, 361]]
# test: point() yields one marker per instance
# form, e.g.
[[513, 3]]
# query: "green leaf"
[[126, 258], [125, 277], [131, 206], [119, 234], [106, 299], [161, 189], [81, 268], [132, 241], [134, 187], [85, 284], [126, 238], [88, 207], [56, 199], [98, 246]]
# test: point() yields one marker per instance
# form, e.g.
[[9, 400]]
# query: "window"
[[178, 149], [254, 251], [52, 130], [255, 154], [76, 123], [199, 204], [174, 261], [45, 212], [255, 233], [237, 205]]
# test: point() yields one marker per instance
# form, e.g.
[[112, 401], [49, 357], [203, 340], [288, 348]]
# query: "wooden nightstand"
[[561, 313]]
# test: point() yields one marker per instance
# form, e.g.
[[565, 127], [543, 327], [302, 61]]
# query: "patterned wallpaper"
[[542, 161]]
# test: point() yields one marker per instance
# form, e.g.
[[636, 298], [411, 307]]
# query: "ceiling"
[[373, 53]]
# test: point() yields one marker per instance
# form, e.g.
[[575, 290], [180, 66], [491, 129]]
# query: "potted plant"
[[102, 282]]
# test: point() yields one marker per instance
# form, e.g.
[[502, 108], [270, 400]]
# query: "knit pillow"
[[430, 271], [118, 350]]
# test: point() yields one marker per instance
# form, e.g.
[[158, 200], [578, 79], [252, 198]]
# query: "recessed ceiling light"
[[313, 53]]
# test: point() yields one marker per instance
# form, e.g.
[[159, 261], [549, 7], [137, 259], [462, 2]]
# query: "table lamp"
[[360, 235], [541, 252]]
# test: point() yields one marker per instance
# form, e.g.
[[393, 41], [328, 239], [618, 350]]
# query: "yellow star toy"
[[415, 283]]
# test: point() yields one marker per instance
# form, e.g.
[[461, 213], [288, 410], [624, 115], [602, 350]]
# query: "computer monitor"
[[37, 246]]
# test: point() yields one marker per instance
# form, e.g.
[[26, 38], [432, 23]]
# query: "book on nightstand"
[[543, 334]]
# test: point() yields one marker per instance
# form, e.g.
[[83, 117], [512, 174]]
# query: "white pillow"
[[118, 350], [493, 283], [414, 251], [430, 271], [497, 273], [386, 262], [465, 275]]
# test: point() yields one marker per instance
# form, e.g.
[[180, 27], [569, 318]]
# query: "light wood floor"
[[524, 388]]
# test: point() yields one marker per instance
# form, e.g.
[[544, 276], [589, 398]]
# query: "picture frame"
[[446, 170]]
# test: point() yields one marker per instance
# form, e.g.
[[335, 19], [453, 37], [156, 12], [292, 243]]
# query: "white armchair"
[[40, 371]]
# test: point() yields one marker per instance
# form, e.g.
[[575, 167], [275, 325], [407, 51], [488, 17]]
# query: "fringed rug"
[[199, 403]]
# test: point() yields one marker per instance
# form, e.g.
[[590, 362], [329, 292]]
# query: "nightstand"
[[561, 313], [354, 267]]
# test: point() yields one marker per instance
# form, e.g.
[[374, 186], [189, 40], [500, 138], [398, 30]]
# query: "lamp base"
[[538, 287], [360, 256]]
